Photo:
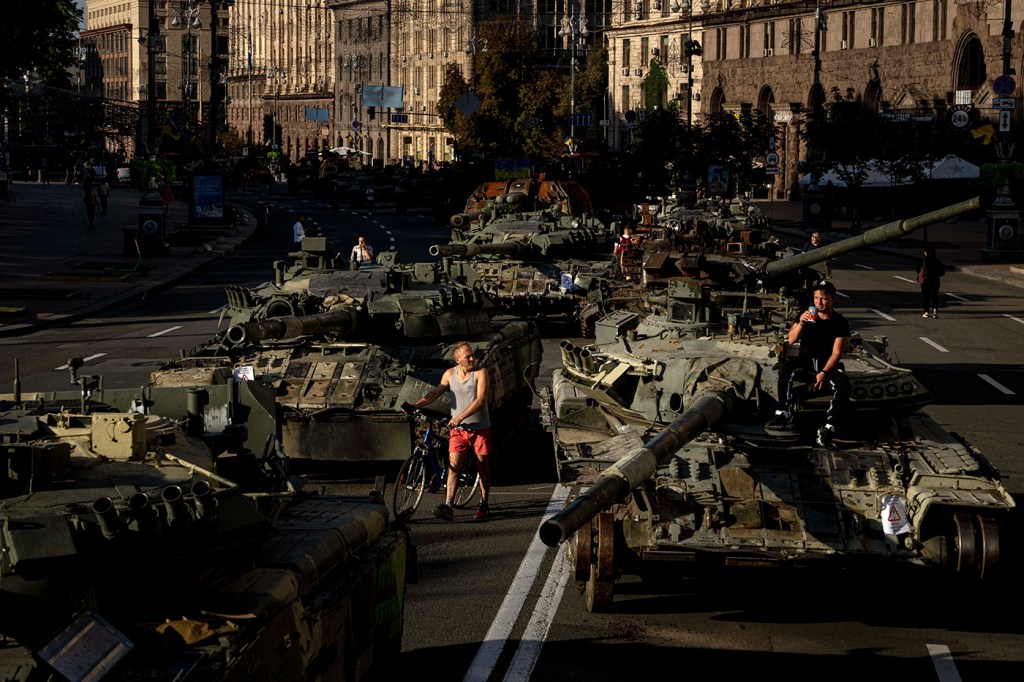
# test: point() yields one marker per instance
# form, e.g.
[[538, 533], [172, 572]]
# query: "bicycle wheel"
[[408, 488], [469, 483]]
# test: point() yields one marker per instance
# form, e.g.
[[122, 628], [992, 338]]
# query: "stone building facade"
[[281, 74], [910, 58]]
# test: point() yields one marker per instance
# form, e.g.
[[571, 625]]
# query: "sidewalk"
[[55, 269], [958, 243]]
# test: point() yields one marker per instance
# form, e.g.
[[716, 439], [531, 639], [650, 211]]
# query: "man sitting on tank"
[[822, 334]]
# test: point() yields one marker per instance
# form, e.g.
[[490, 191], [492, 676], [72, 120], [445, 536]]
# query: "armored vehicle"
[[531, 194], [535, 264], [663, 419], [340, 351], [140, 541]]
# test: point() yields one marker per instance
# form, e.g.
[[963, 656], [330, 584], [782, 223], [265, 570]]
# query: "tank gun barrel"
[[635, 468], [472, 250], [341, 321], [873, 236]]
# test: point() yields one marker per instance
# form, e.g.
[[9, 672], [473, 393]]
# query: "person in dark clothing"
[[822, 334], [929, 271]]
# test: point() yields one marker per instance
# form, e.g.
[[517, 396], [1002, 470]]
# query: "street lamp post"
[[691, 48], [574, 29], [276, 74], [190, 17]]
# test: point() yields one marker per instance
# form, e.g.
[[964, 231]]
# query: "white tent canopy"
[[951, 167], [345, 151]]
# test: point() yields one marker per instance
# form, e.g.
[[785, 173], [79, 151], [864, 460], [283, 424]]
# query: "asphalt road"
[[491, 603]]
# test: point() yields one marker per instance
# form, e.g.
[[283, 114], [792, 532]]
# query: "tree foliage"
[[655, 86], [39, 37]]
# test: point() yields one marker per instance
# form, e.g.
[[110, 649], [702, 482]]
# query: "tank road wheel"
[[963, 541], [582, 555], [988, 535], [601, 581], [408, 488]]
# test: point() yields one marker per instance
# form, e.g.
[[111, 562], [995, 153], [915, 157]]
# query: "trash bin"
[[152, 232]]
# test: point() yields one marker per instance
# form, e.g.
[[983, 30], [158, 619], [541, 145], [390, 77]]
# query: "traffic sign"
[[1004, 85], [960, 116], [771, 158], [1004, 102], [771, 170], [1004, 121]]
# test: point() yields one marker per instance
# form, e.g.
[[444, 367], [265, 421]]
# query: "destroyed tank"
[[535, 193], [662, 420], [535, 264], [340, 350], [140, 541]]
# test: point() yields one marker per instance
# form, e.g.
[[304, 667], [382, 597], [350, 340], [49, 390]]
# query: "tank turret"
[[663, 419]]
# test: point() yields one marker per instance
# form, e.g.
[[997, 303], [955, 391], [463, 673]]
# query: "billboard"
[[384, 96]]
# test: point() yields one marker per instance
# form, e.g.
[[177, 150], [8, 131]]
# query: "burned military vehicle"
[[663, 419], [138, 542], [535, 193], [340, 350]]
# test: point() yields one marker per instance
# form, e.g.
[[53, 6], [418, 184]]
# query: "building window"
[[795, 35], [769, 39], [625, 98], [645, 52], [625, 53], [744, 41], [940, 14], [908, 22], [721, 44], [848, 30], [877, 26]]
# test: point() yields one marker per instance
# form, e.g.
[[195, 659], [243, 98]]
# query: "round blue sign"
[[1004, 85], [630, 116]]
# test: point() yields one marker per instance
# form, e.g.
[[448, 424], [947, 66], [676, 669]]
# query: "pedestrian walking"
[[44, 176], [103, 192], [89, 197], [929, 271], [298, 230], [369, 200]]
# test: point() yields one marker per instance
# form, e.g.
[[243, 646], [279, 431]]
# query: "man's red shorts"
[[464, 440]]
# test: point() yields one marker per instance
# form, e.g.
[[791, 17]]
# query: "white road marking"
[[882, 315], [843, 295], [998, 386], [942, 659], [1015, 319], [501, 627], [91, 357], [912, 281], [526, 656], [169, 329], [933, 344], [959, 298], [217, 310], [865, 267]]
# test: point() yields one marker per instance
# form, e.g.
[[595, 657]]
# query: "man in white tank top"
[[469, 386]]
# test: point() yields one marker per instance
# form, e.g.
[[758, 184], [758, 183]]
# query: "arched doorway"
[[969, 70]]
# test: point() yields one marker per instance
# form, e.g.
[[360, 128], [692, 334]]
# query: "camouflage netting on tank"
[[729, 375]]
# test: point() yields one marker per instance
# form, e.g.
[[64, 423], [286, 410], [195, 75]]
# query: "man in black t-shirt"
[[822, 334]]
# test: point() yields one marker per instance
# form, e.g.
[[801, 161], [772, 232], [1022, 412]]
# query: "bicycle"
[[427, 467]]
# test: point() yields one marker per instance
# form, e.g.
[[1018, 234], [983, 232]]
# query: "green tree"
[[39, 37], [655, 86]]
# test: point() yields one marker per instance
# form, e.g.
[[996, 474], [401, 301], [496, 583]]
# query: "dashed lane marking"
[[882, 315], [1015, 319], [165, 331], [217, 310], [959, 298], [865, 267], [911, 281], [933, 344], [998, 386]]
